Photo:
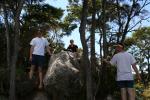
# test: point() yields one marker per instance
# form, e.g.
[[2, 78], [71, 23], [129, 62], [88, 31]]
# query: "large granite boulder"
[[63, 75]]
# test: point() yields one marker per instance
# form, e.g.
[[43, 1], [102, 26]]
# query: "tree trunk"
[[119, 22], [125, 30], [86, 61], [105, 50], [148, 64], [15, 51], [7, 33], [93, 57], [103, 75]]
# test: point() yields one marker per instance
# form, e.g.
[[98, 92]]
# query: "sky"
[[75, 34]]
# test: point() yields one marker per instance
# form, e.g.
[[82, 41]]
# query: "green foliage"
[[34, 16], [34, 1], [107, 82], [74, 12], [141, 50], [139, 88], [42, 16], [3, 63], [72, 18], [142, 41], [2, 46], [76, 1], [3, 97], [111, 79], [129, 42], [68, 28], [24, 86], [142, 33], [56, 47], [4, 81], [48, 18]]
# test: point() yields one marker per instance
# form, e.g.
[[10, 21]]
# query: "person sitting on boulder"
[[73, 48]]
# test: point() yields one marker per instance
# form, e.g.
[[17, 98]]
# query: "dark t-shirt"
[[73, 48]]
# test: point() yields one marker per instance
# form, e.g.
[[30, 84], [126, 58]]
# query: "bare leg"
[[131, 93], [40, 78], [123, 94], [31, 71]]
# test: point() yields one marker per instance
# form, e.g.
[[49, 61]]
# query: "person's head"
[[71, 41], [119, 47], [39, 33]]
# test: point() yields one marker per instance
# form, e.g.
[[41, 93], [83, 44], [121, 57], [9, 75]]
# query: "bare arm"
[[31, 51], [136, 71], [108, 61], [48, 50]]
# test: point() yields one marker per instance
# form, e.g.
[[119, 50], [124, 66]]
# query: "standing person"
[[124, 60], [73, 48], [37, 58]]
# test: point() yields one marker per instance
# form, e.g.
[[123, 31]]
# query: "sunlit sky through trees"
[[75, 34]]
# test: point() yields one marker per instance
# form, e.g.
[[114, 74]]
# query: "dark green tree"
[[141, 39]]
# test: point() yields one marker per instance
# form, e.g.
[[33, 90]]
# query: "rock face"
[[63, 75]]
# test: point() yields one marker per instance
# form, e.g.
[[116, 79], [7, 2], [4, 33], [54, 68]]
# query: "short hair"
[[120, 44], [71, 41]]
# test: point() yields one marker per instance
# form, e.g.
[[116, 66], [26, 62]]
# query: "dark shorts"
[[38, 60], [125, 84]]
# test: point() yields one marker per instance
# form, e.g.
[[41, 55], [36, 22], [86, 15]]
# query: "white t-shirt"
[[39, 45], [123, 61]]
